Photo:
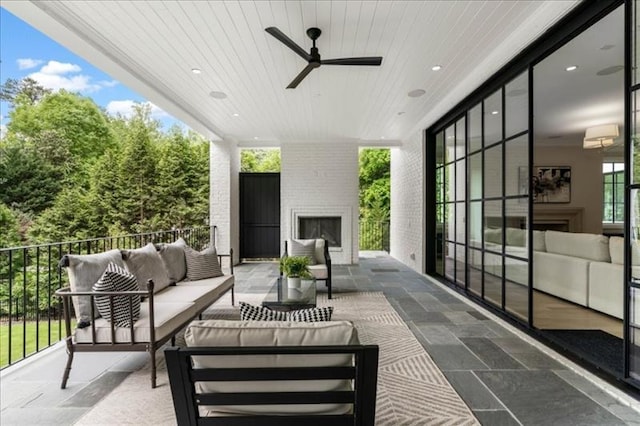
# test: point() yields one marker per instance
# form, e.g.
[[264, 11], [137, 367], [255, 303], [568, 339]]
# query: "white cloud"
[[55, 67], [125, 109], [109, 83], [28, 63], [76, 83]]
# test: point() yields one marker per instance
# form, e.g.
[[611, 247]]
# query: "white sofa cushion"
[[84, 271], [606, 287], [586, 246], [146, 264], [172, 256], [563, 276], [273, 333], [516, 237], [538, 241], [167, 317], [201, 295], [616, 250], [320, 272]]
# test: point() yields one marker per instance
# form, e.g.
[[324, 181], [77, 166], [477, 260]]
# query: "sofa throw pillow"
[[172, 256], [145, 263], [116, 278], [84, 270], [303, 248], [312, 314], [249, 312], [203, 264]]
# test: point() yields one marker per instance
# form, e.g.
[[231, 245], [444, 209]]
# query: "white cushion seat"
[[320, 272], [201, 296], [167, 317]]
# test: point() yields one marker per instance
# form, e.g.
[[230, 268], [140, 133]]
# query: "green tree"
[[27, 182], [72, 117], [375, 184], [260, 160], [25, 91]]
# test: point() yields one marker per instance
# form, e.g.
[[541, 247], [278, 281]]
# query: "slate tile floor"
[[502, 377]]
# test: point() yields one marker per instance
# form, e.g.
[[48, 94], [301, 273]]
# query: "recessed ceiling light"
[[218, 95], [235, 114], [416, 93], [436, 68], [196, 70], [255, 138], [495, 112], [571, 68], [381, 137]]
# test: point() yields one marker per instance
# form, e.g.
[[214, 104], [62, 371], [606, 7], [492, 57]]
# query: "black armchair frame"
[[182, 378]]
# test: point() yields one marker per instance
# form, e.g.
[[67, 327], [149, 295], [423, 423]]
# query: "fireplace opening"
[[329, 228]]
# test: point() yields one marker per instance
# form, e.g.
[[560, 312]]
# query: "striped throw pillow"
[[116, 278], [203, 264], [304, 248], [260, 313]]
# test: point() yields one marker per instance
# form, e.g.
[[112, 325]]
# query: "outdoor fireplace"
[[327, 227]]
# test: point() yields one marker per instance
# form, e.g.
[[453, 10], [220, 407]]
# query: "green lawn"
[[17, 338]]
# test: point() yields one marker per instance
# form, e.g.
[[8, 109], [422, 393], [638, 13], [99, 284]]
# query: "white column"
[[224, 163]]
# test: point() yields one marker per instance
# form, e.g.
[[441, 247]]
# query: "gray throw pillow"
[[84, 271], [145, 263], [203, 264], [303, 248], [126, 309], [173, 258]]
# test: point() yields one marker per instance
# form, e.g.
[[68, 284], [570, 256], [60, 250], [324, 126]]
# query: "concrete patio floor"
[[504, 376]]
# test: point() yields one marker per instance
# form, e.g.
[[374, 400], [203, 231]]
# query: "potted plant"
[[295, 268]]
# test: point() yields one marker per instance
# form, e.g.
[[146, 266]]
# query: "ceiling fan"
[[314, 57]]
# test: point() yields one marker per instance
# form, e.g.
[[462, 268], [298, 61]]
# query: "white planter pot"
[[293, 282]]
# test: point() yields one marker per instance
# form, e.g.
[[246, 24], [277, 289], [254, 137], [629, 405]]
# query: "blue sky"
[[24, 51]]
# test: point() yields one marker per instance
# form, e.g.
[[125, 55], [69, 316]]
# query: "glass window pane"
[[517, 105], [475, 128], [516, 291], [450, 222], [439, 149], [439, 238], [516, 228], [493, 225], [475, 224], [461, 260], [439, 185], [493, 278], [493, 172], [634, 334], [635, 234], [608, 178], [450, 144], [449, 261], [461, 182], [493, 118], [450, 182], [475, 176], [460, 138], [461, 223], [635, 135], [474, 262], [516, 165]]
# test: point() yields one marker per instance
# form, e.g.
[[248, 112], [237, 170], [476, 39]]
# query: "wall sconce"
[[600, 136]]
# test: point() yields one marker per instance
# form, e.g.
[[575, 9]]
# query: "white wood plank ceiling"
[[152, 46]]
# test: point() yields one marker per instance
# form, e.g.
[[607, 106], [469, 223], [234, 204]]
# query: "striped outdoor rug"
[[411, 388]]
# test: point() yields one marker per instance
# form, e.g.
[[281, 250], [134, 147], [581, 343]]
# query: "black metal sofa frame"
[[186, 400], [113, 346]]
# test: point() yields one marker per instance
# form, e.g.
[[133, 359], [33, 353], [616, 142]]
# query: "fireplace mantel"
[[571, 217]]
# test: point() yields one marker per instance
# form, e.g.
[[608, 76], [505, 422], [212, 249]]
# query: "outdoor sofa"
[[147, 295]]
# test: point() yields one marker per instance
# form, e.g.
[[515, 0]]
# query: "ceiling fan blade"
[[300, 76], [288, 42], [371, 60]]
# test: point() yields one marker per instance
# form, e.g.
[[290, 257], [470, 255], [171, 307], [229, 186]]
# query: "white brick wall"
[[321, 177], [407, 202], [224, 195]]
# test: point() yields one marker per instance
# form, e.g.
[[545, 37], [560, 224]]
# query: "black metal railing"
[[374, 235], [30, 313]]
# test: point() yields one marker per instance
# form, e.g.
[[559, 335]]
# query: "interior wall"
[[586, 181], [407, 202], [323, 178]]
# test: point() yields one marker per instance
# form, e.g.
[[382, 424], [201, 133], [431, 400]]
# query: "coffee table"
[[281, 297]]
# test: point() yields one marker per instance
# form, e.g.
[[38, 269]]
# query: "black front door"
[[259, 215]]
